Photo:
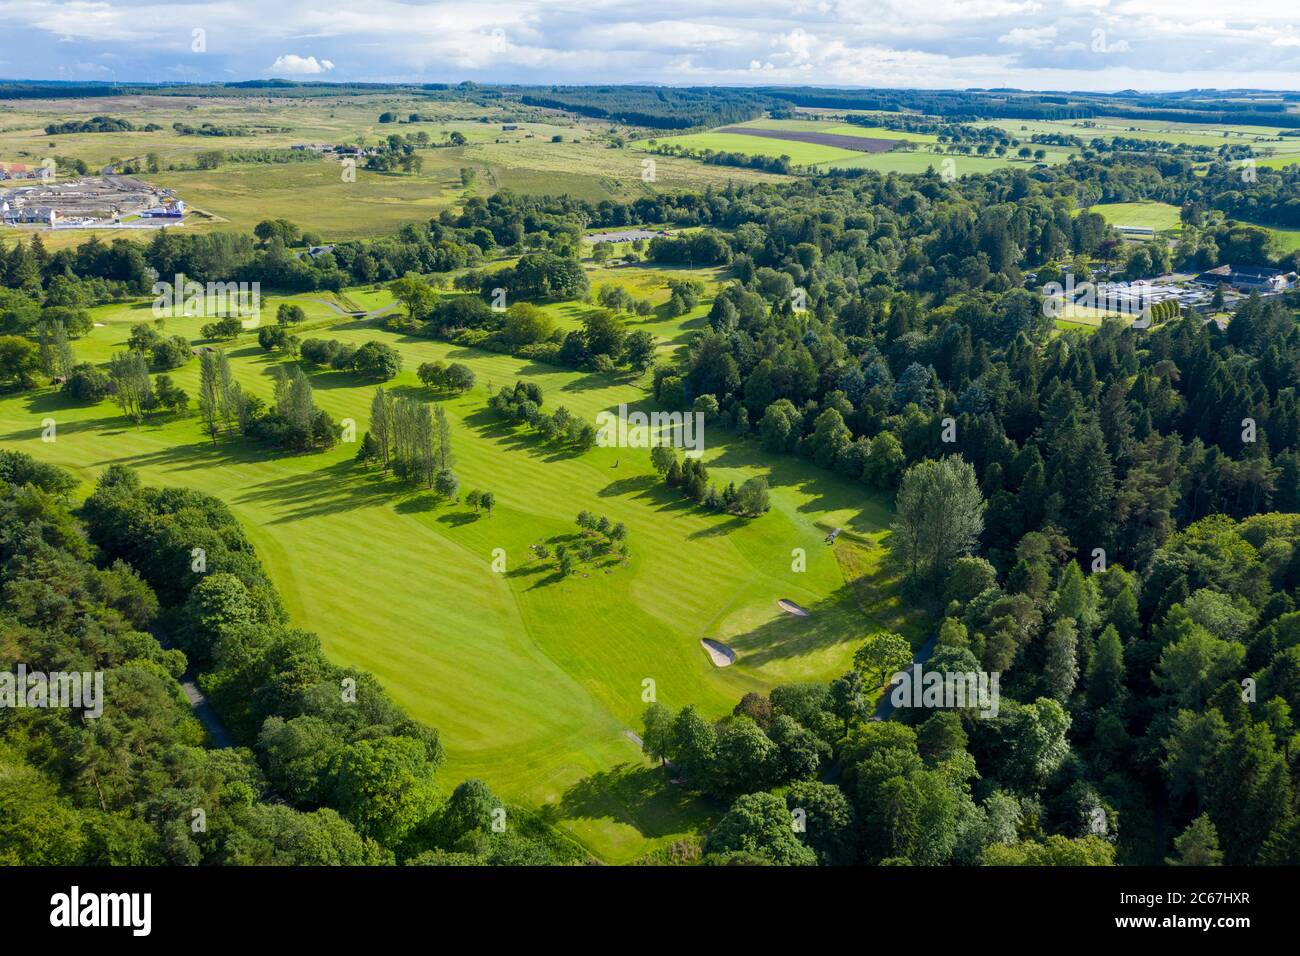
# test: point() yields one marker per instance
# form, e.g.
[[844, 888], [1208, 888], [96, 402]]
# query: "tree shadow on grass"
[[733, 523], [626, 486], [54, 400], [329, 490], [419, 503], [202, 454], [635, 795], [650, 490], [825, 490], [458, 519], [592, 381], [519, 437], [334, 378], [835, 619]]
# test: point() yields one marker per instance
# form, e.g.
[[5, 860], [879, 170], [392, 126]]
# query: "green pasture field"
[[534, 681], [1104, 127], [801, 154], [839, 129], [921, 160]]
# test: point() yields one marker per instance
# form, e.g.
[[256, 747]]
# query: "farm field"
[[314, 193], [801, 154], [920, 161], [533, 681], [836, 127], [1191, 134], [824, 157]]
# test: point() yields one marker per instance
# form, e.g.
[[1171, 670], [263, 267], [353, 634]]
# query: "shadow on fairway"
[[327, 490], [458, 519], [825, 490], [639, 796], [519, 437], [833, 620]]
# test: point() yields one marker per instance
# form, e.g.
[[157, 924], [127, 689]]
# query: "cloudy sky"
[[1044, 44]]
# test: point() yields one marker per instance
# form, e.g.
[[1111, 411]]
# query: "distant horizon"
[[1099, 46], [305, 81]]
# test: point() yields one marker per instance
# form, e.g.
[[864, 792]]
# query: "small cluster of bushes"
[[455, 377], [691, 478], [165, 351], [522, 405], [374, 360]]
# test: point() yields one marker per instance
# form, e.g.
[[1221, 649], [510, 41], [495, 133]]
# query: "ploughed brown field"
[[863, 144]]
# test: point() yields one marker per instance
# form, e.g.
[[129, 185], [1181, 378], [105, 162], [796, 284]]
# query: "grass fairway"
[[532, 680], [1160, 216]]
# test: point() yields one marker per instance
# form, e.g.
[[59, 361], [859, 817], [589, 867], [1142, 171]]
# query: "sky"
[[1031, 44]]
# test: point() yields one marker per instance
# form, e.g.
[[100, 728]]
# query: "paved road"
[[203, 711], [885, 709], [373, 314]]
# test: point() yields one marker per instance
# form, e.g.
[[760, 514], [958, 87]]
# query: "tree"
[[298, 754], [1106, 671], [885, 462], [19, 361], [657, 736], [416, 296], [209, 400], [469, 811], [1198, 845], [639, 350], [747, 759], [759, 823], [367, 449], [431, 374], [850, 698], [883, 655], [381, 424], [289, 313], [442, 440], [662, 457], [696, 746], [459, 377], [446, 483], [488, 500], [86, 383], [752, 498], [129, 374], [1061, 664], [1056, 850], [377, 360], [940, 515], [384, 787]]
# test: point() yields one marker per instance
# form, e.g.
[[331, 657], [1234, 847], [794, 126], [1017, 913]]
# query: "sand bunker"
[[791, 608], [720, 654]]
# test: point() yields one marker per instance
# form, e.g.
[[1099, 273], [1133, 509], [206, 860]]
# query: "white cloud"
[[1037, 37], [292, 63], [1158, 44]]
